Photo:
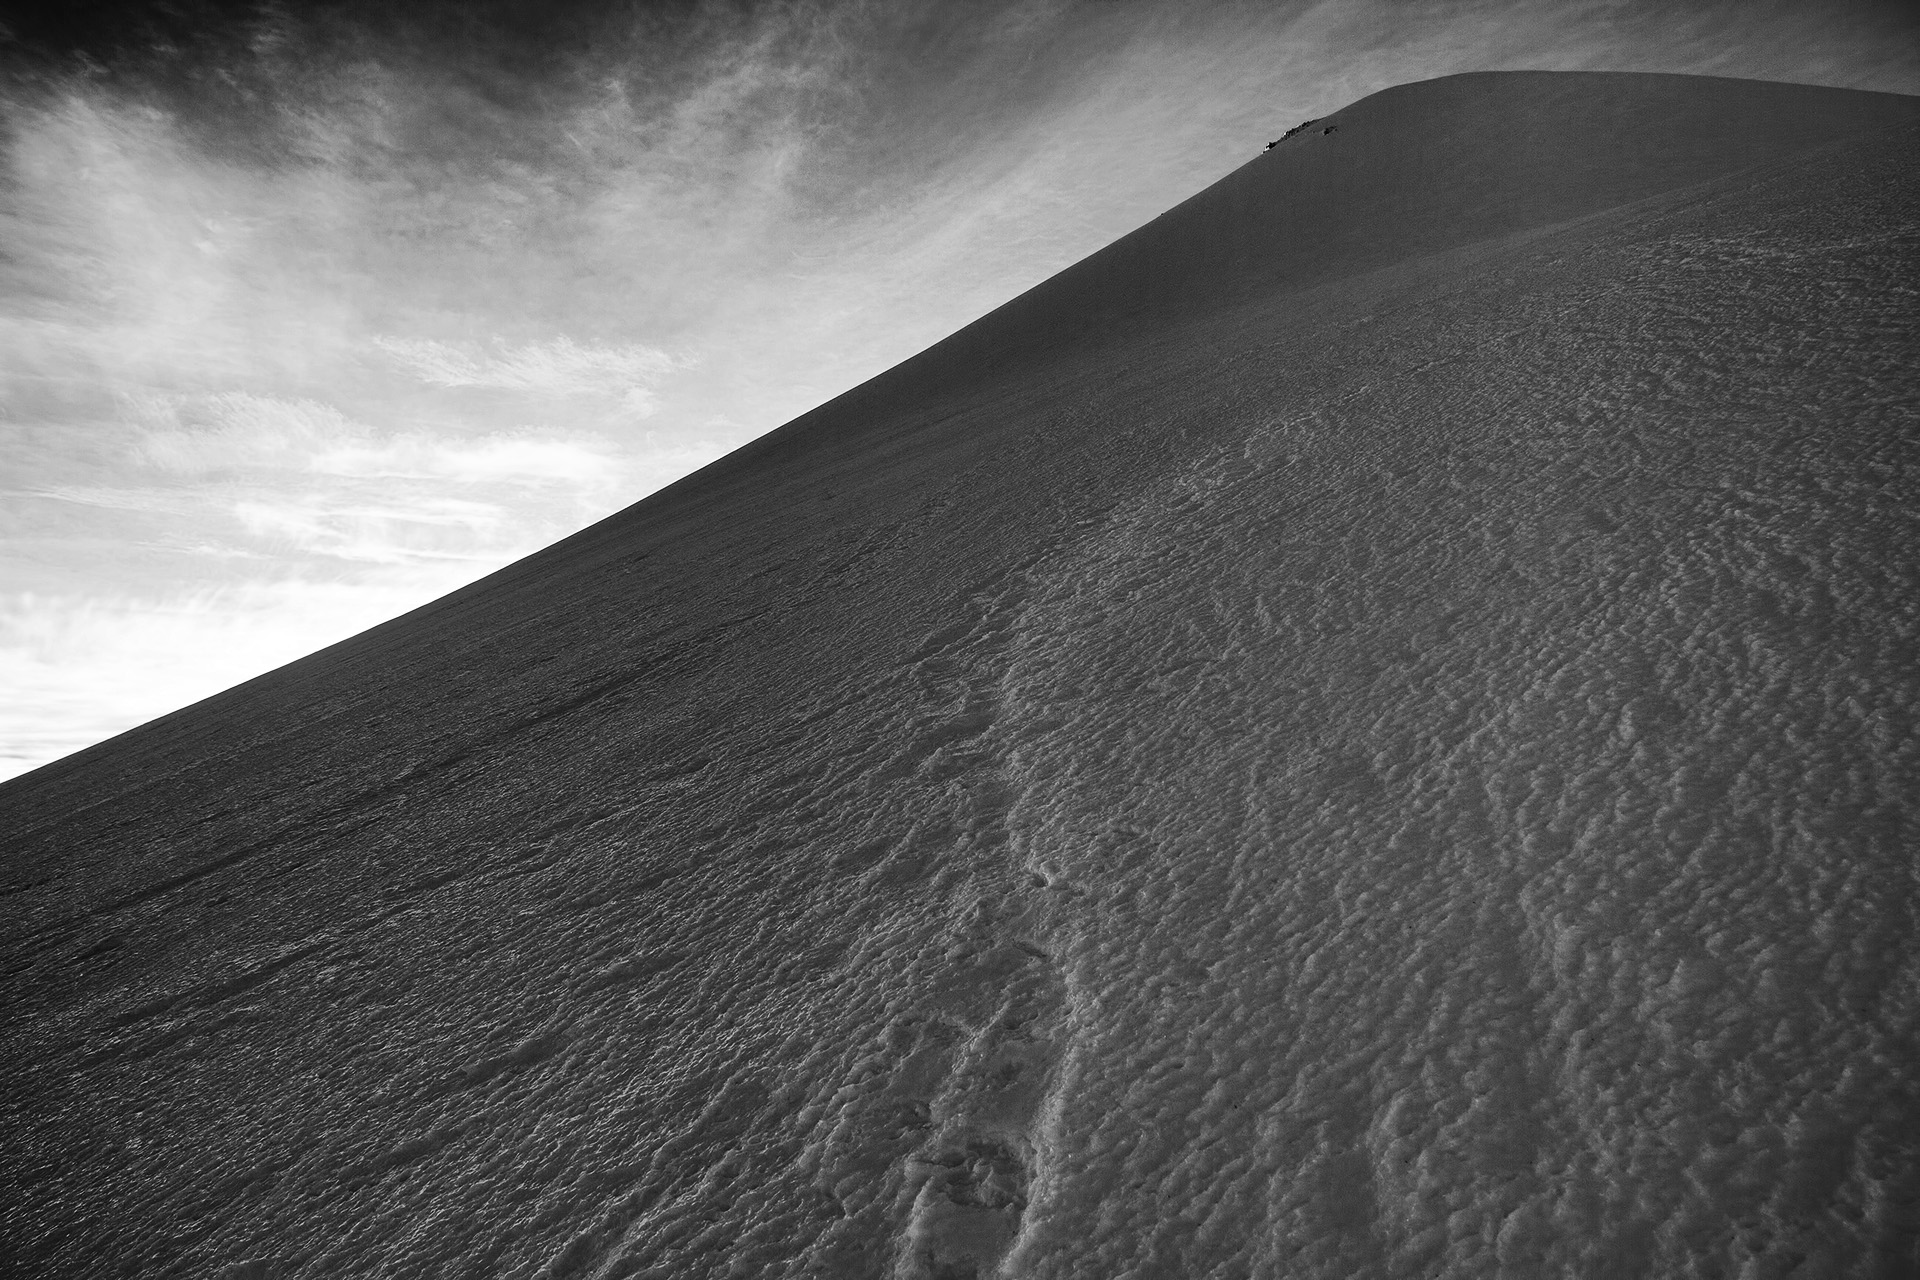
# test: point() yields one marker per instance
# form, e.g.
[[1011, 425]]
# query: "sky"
[[310, 314]]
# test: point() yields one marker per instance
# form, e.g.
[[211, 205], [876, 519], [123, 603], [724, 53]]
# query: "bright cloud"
[[494, 459], [197, 436], [560, 367], [320, 525]]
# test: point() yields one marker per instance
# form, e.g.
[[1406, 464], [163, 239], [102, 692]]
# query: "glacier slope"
[[1406, 772]]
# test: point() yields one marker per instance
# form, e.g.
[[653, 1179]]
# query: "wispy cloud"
[[242, 432], [320, 524], [524, 460], [560, 367], [301, 480]]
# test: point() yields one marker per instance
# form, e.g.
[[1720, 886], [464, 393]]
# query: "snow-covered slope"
[[1367, 729]]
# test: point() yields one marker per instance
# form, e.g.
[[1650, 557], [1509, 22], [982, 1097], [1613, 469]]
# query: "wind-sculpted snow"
[[1412, 775]]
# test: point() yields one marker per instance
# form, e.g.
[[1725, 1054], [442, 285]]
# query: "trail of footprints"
[[934, 1150], [972, 1174]]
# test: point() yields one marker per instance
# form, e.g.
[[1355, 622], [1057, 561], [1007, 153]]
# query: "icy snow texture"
[[1410, 770]]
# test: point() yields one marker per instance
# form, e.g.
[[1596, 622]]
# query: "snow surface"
[[1406, 768]]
